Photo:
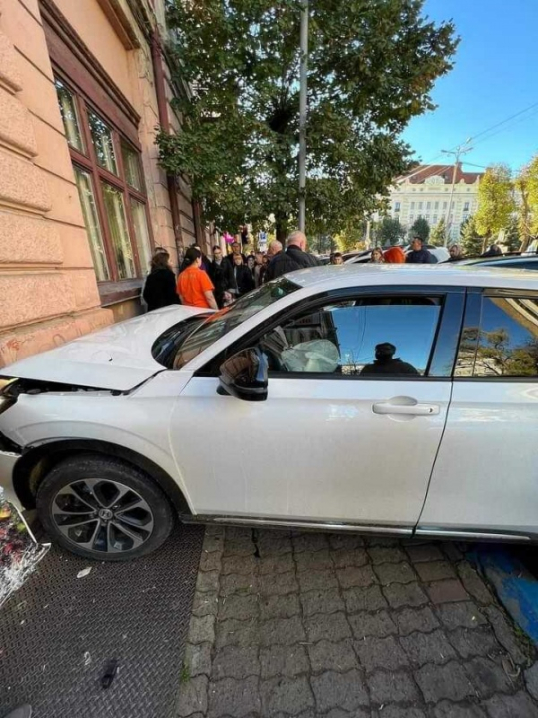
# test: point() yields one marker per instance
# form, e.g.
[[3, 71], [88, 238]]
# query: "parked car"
[[440, 254], [368, 400], [507, 261]]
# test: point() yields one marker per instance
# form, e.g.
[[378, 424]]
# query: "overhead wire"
[[485, 134], [503, 122]]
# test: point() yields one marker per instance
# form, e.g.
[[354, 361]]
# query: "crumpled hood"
[[116, 358]]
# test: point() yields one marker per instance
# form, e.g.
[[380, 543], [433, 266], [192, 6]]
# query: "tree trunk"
[[524, 221], [281, 229]]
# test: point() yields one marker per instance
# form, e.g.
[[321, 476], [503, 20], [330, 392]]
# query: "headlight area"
[[8, 392]]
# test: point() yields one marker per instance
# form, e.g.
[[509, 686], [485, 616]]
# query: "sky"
[[495, 76]]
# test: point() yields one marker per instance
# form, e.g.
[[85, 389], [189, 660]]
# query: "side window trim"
[[211, 369]]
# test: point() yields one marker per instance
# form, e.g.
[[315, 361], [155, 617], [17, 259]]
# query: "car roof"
[[349, 275]]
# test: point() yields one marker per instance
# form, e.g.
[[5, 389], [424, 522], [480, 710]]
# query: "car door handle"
[[411, 409]]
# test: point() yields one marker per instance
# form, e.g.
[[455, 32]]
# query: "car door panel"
[[486, 474], [325, 447], [314, 449]]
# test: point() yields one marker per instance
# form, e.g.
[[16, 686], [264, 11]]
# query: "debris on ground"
[[19, 551]]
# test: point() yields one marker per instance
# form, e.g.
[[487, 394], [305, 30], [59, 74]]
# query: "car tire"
[[103, 508]]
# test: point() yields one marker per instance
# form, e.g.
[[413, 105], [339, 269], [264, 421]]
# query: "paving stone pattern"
[[310, 625]]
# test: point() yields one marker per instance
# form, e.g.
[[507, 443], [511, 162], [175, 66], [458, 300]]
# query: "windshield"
[[184, 341]]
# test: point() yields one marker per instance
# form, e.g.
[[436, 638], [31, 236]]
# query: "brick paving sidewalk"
[[306, 624]]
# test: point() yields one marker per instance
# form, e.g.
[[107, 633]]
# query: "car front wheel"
[[103, 509]]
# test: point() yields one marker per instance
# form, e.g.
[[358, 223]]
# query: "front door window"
[[367, 337]]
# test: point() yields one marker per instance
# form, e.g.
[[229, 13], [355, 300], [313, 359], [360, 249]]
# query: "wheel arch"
[[38, 460]]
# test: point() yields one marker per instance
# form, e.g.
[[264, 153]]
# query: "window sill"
[[116, 292]]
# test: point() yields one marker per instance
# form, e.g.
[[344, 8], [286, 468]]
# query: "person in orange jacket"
[[394, 255]]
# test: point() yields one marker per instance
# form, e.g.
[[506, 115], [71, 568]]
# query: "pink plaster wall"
[[47, 295]]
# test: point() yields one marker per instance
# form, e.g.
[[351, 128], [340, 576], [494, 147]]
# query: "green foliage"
[[471, 241], [526, 183], [388, 231], [351, 236], [322, 243], [495, 201], [420, 228], [438, 234], [185, 674], [497, 356], [512, 241], [372, 66]]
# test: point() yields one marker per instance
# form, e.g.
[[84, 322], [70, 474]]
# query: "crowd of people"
[[218, 282], [418, 254]]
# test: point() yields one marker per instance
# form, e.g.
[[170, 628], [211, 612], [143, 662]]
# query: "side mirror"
[[245, 376]]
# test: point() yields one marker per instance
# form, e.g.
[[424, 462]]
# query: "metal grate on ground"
[[59, 633]]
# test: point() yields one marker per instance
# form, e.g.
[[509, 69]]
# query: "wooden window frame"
[[111, 290]]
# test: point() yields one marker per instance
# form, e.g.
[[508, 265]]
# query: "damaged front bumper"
[[8, 460]]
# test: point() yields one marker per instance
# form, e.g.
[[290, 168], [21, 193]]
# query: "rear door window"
[[507, 344]]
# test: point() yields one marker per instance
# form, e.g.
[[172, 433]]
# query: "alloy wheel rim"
[[102, 515]]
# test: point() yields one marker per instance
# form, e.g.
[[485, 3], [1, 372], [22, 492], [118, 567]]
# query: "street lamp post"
[[461, 150], [302, 116]]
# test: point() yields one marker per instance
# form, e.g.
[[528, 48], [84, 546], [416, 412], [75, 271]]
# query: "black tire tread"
[[91, 465]]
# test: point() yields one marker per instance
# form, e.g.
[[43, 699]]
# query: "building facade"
[[83, 202], [425, 192]]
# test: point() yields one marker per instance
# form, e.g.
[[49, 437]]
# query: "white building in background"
[[425, 192]]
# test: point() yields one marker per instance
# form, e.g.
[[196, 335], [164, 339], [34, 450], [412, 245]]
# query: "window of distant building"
[[466, 207], [397, 206], [419, 205], [428, 205], [412, 205]]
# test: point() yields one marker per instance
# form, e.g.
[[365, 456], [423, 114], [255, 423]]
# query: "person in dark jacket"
[[493, 251], [456, 253], [242, 279], [160, 286], [236, 250], [221, 273], [295, 257], [386, 363], [418, 254]]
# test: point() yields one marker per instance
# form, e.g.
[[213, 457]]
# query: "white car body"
[[446, 456]]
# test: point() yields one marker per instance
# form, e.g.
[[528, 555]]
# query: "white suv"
[[391, 399]]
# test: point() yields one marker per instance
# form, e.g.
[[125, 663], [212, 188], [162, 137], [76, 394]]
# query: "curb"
[[516, 587]]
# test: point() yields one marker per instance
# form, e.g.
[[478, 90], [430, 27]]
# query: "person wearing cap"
[[418, 253], [194, 286], [386, 363]]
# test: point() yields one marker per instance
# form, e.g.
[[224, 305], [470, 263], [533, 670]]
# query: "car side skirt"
[[470, 535], [295, 524], [376, 530]]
